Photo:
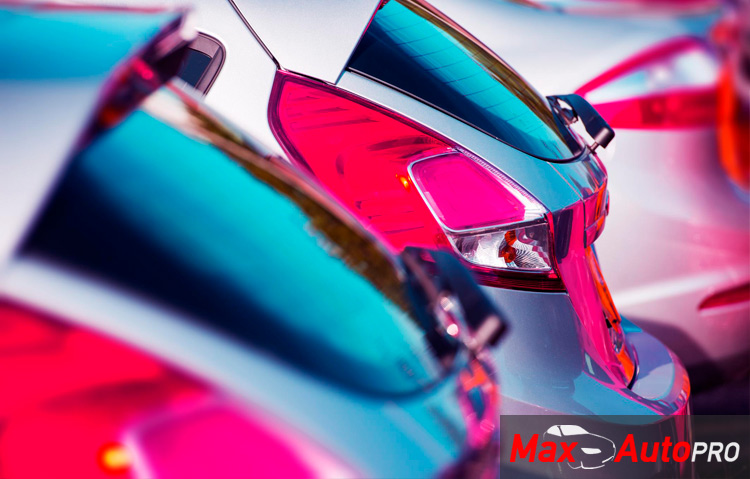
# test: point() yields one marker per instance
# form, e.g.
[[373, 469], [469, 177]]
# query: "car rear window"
[[416, 49], [177, 219]]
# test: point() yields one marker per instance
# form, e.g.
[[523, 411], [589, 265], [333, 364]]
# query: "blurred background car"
[[316, 91], [676, 250], [627, 7], [731, 35], [175, 304]]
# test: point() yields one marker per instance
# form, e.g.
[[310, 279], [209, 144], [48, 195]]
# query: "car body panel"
[[532, 174], [414, 48], [242, 89], [541, 177], [596, 43], [120, 195], [565, 379]]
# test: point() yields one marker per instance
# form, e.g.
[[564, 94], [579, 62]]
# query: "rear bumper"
[[545, 370], [544, 367], [661, 381]]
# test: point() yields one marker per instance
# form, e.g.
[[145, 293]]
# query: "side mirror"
[[455, 297], [595, 125]]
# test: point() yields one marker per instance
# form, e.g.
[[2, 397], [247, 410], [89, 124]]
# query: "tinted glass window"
[[416, 49], [202, 63], [193, 67], [239, 246]]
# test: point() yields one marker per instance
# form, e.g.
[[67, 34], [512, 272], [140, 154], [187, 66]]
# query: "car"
[[308, 80], [730, 35], [629, 7], [675, 250], [595, 450], [175, 302]]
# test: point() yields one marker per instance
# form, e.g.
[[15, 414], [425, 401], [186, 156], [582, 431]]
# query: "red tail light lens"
[[468, 195], [69, 394], [734, 131], [412, 186], [729, 297], [670, 86], [215, 439], [76, 404], [626, 6]]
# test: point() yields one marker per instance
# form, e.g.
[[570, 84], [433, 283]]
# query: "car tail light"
[[217, 439], [413, 186], [621, 349], [670, 86], [77, 404], [625, 6], [734, 132], [728, 297]]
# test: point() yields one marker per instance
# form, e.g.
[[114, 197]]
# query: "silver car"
[[454, 151], [173, 304], [675, 251]]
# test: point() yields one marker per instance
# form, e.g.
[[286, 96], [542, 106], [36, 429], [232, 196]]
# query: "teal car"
[[175, 302]]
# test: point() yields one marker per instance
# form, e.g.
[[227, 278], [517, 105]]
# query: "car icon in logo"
[[592, 451]]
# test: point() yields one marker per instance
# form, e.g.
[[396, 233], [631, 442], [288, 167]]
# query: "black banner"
[[557, 446]]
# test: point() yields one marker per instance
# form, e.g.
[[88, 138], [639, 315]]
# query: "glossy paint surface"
[[333, 417], [568, 378], [687, 198]]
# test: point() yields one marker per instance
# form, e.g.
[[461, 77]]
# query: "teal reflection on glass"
[[46, 43], [171, 216], [415, 49]]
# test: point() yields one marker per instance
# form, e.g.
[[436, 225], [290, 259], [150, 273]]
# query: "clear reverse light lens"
[[520, 248]]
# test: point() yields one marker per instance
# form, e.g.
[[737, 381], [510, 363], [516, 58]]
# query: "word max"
[[548, 452]]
